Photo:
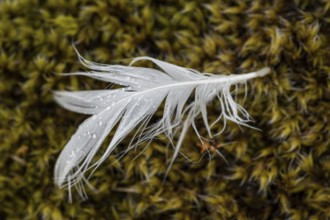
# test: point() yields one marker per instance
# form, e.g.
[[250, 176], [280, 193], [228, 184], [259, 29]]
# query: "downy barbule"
[[131, 107]]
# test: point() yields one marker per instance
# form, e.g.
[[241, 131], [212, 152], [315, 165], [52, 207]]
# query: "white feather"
[[144, 90]]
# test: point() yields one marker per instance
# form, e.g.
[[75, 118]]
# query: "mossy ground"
[[281, 172]]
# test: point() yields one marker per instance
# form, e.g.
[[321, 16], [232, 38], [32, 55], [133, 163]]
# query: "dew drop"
[[94, 136], [100, 123], [72, 153]]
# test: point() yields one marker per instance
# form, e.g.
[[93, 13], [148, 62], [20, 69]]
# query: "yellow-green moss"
[[281, 172]]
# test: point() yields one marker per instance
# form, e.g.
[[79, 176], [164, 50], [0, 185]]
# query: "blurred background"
[[280, 172]]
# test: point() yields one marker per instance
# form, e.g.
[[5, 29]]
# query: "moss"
[[280, 172]]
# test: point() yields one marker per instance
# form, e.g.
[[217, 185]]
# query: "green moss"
[[280, 172]]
